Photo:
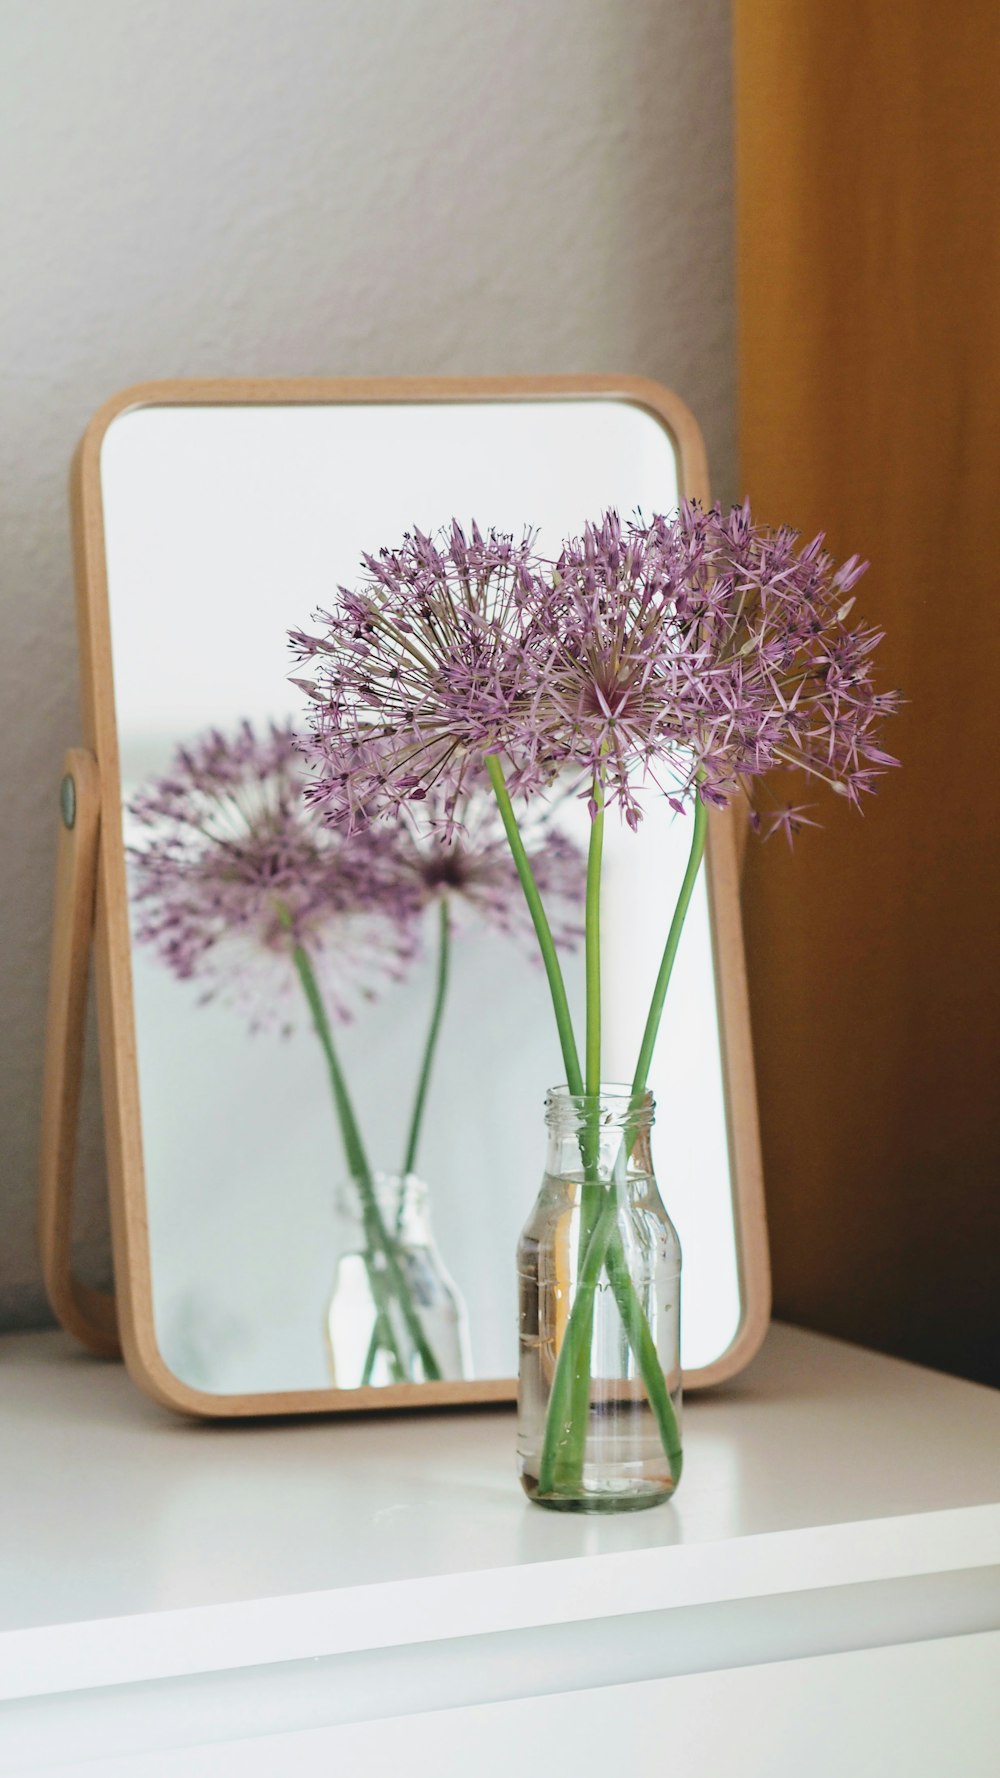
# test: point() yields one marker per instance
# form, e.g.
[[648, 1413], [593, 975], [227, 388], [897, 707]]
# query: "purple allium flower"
[[464, 856], [789, 684], [700, 650], [694, 654], [419, 672], [231, 868]]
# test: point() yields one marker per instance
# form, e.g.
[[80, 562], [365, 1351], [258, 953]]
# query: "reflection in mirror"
[[224, 526]]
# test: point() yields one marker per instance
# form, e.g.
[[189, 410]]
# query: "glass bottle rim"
[[619, 1106]]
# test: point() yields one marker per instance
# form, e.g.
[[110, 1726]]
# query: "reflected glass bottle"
[[599, 1267], [395, 1315]]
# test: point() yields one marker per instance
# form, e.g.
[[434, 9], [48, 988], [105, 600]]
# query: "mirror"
[[214, 519]]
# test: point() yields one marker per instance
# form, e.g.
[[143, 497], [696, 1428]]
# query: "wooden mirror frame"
[[92, 912]]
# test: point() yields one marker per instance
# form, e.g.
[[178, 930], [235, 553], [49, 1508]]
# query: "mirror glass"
[[225, 526]]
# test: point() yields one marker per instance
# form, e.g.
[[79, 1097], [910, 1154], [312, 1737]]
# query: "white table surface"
[[136, 1546]]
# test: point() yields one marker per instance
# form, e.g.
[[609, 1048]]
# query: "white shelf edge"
[[262, 1632]]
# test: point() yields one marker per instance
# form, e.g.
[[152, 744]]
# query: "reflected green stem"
[[378, 1339], [440, 992], [377, 1236], [382, 1337]]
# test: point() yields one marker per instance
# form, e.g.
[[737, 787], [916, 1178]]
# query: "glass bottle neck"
[[604, 1137], [403, 1201]]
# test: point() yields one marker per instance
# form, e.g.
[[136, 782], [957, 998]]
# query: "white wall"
[[205, 187]]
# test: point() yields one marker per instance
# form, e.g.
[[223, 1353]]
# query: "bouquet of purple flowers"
[[690, 657]]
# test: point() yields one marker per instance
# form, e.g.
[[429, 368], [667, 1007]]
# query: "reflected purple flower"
[[463, 855], [231, 868]]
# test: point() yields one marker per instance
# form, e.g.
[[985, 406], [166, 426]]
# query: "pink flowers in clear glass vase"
[[692, 656]]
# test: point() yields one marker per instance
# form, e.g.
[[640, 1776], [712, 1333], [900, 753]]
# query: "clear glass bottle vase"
[[395, 1315], [599, 1268]]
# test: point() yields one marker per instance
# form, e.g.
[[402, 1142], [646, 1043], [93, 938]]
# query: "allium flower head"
[[418, 672], [790, 682], [612, 677], [231, 868], [699, 653]]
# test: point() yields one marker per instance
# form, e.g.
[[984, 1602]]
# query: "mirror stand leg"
[[87, 1314]]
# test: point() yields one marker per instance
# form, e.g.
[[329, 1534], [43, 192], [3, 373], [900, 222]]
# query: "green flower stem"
[[590, 1135], [565, 1439], [566, 1422], [564, 1447], [666, 970], [576, 1386], [381, 1339], [593, 944], [640, 1339], [376, 1233], [543, 931], [444, 945], [357, 1160]]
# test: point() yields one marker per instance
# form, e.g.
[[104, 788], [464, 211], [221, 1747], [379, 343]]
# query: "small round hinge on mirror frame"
[[67, 800]]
